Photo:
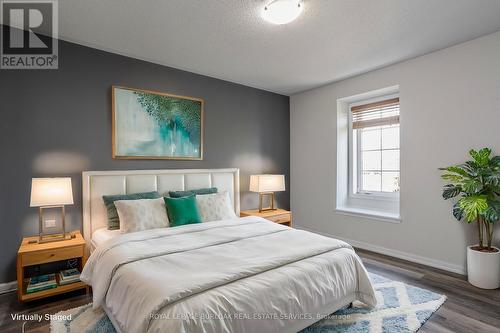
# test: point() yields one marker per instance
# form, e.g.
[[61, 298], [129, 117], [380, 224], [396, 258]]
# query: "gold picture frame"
[[169, 134]]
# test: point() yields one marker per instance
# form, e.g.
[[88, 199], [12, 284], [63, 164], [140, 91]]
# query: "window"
[[367, 164], [375, 147]]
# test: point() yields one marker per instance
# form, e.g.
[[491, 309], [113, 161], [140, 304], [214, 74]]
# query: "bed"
[[236, 275]]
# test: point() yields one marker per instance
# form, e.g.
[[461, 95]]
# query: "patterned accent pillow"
[[109, 202], [181, 194], [215, 207], [142, 214]]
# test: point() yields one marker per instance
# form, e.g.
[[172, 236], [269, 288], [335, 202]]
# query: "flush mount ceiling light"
[[282, 11]]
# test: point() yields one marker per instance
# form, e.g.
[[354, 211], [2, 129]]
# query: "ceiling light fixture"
[[282, 11]]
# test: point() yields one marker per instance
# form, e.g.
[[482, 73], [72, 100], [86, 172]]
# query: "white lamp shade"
[[267, 183], [51, 192]]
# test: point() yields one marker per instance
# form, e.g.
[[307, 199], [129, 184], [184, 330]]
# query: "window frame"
[[353, 158]]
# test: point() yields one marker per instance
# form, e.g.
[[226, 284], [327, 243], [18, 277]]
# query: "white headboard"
[[95, 184]]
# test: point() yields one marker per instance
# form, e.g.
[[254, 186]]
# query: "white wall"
[[450, 102]]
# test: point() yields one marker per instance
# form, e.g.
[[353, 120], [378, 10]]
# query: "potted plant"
[[477, 184]]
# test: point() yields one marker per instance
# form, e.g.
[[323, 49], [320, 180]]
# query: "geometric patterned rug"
[[401, 308]]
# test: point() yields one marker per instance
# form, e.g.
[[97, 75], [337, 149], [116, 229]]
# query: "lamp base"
[[53, 238], [47, 238], [271, 201]]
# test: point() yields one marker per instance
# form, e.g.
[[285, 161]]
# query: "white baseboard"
[[8, 287], [398, 254]]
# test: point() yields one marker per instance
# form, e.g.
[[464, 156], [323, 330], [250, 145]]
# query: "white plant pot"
[[483, 268]]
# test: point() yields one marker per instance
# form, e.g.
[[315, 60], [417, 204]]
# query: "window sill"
[[374, 196], [370, 214]]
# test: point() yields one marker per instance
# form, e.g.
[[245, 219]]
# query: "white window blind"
[[376, 147], [376, 114]]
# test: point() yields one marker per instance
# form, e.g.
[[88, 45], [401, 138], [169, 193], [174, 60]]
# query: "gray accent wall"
[[58, 123]]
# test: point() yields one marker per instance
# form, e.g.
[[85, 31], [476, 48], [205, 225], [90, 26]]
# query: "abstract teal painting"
[[153, 125]]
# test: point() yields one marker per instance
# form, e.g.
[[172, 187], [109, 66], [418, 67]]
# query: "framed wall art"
[[154, 125]]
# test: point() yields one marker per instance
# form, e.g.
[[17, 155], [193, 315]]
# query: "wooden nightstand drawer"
[[283, 218], [41, 257]]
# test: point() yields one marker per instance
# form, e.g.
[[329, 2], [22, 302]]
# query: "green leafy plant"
[[477, 184]]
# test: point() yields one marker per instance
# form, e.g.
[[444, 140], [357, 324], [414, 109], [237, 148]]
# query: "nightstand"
[[32, 254], [277, 215]]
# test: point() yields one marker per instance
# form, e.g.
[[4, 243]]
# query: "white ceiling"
[[227, 39]]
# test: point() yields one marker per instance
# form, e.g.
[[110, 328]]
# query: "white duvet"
[[240, 275]]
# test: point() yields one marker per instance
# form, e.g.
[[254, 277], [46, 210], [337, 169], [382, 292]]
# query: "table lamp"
[[49, 193], [266, 185]]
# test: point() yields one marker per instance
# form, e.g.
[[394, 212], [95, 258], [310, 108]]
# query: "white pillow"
[[142, 214], [215, 207]]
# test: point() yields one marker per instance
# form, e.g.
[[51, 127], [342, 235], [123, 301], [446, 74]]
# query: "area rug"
[[401, 309]]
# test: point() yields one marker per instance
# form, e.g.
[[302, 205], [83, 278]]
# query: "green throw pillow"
[[109, 202], [182, 211], [180, 194]]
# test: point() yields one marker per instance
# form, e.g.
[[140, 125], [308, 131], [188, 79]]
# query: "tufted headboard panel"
[[99, 183]]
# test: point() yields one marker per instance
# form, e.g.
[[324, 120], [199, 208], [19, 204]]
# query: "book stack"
[[69, 276], [41, 282]]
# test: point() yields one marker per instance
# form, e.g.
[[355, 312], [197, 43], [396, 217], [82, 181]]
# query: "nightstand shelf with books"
[[42, 268]]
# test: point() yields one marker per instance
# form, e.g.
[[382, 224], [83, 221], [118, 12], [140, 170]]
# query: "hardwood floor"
[[9, 305], [467, 309]]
